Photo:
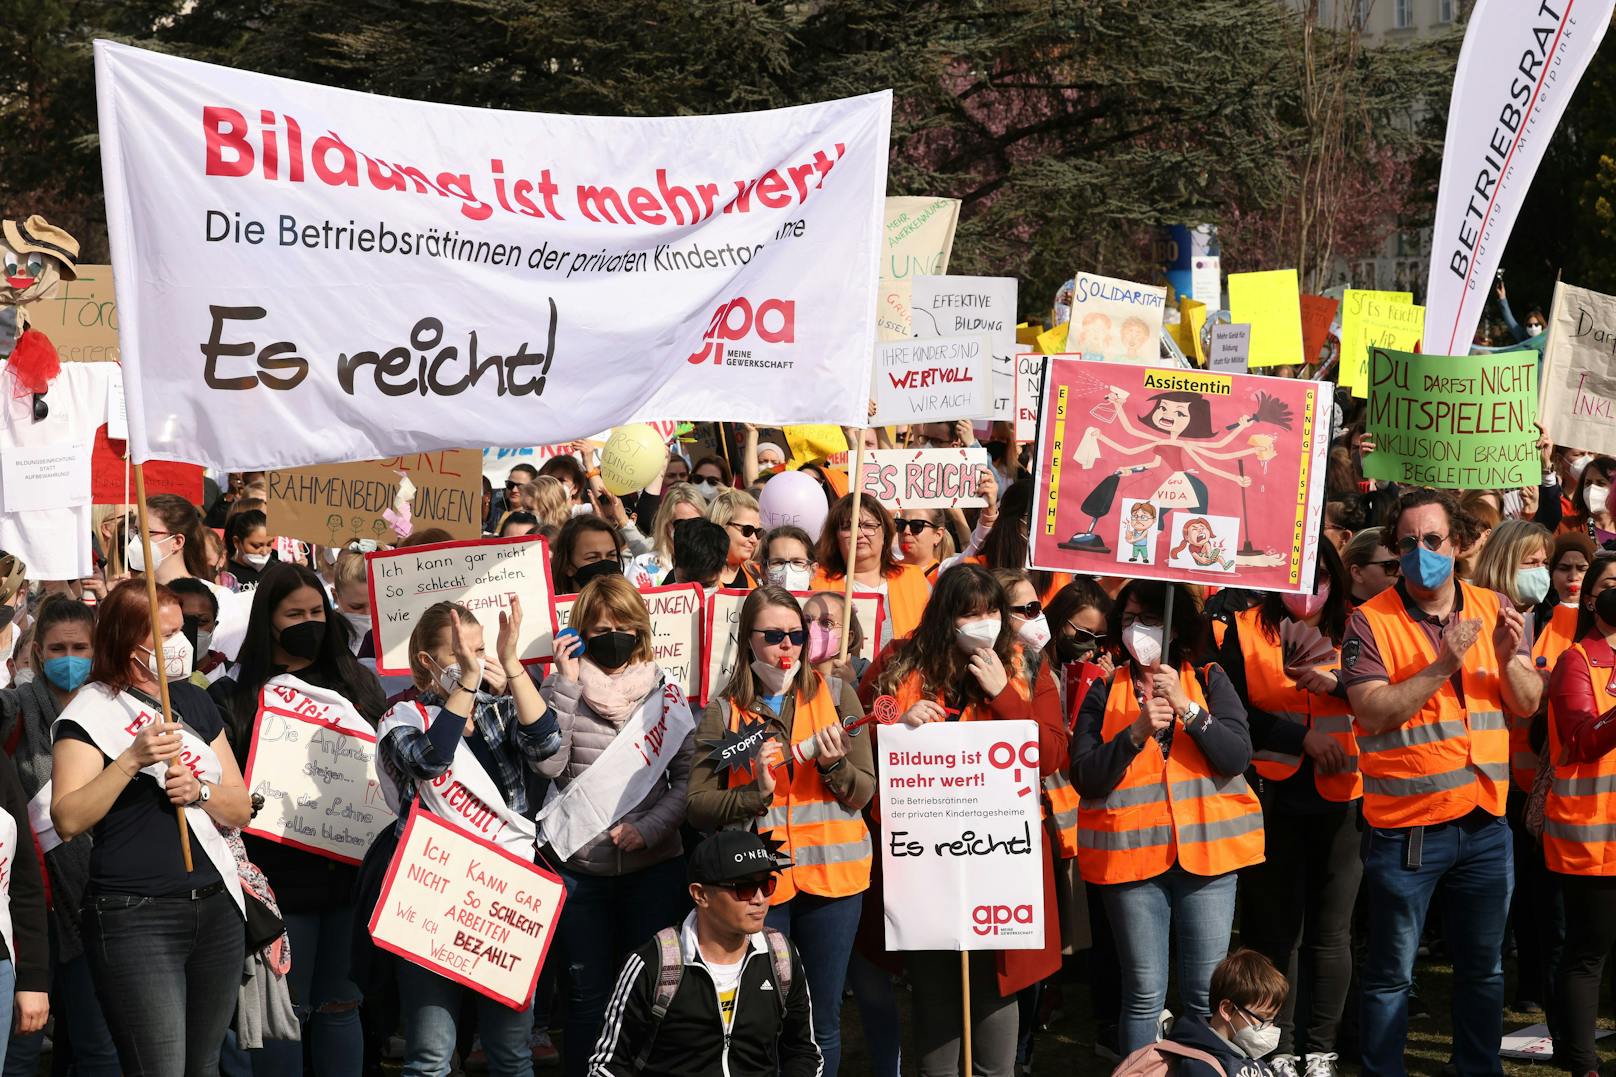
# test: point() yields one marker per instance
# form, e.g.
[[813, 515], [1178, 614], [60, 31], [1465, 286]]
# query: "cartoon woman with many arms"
[[1178, 435]]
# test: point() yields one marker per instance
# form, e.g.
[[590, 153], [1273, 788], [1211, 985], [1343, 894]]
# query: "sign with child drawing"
[[1183, 475], [1116, 320]]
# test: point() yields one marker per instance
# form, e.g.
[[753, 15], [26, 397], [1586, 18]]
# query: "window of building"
[[1403, 14], [1444, 10]]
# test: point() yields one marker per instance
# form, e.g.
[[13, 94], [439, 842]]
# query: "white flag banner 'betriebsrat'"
[[1520, 62], [309, 275]]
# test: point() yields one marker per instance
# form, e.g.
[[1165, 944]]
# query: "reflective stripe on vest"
[[1579, 816], [1554, 640], [828, 843], [1451, 756], [1269, 689], [1060, 803], [1166, 810]]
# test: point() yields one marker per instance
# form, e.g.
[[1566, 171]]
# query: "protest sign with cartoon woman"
[[1243, 453]]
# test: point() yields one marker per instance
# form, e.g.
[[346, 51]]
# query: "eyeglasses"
[[914, 527], [1257, 1022], [827, 623], [748, 530], [1431, 540], [1391, 566], [799, 563], [1028, 610], [866, 527], [776, 636], [746, 890]]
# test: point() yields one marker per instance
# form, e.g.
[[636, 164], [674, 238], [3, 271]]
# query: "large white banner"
[[1520, 62], [962, 848], [310, 274]]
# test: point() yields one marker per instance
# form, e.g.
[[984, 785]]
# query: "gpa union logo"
[[991, 919], [772, 321]]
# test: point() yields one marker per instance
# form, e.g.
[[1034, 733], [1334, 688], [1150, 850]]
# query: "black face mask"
[[303, 640], [1068, 649], [611, 650], [606, 566], [1605, 605]]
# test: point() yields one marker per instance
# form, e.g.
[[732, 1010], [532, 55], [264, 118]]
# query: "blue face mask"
[[67, 672], [1426, 568], [1532, 584]]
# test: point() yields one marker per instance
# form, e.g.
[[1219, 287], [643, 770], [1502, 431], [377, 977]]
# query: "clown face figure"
[[35, 256]]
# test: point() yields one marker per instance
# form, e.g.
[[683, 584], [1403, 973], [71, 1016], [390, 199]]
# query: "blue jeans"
[[431, 1010], [1473, 860], [82, 1040], [877, 1000], [168, 973], [319, 978], [1196, 913], [606, 917], [822, 929]]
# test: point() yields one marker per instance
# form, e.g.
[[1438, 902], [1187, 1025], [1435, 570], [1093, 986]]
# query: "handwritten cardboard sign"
[[722, 636], [333, 503], [1029, 386], [950, 306], [483, 576], [1116, 320], [961, 843], [1375, 319], [919, 237], [925, 478], [1231, 345], [1461, 422], [932, 380], [1579, 370], [676, 623], [467, 909], [81, 319], [319, 785]]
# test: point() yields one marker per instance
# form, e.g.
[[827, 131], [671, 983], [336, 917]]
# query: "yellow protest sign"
[[1271, 303], [1354, 350], [1191, 320], [1393, 326], [814, 441], [1053, 341], [1028, 334]]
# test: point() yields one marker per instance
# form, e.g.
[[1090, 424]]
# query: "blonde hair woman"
[[681, 501], [1515, 561], [547, 499], [736, 511], [626, 746]]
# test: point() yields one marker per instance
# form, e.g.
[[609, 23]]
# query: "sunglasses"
[[747, 890], [1082, 636], [914, 527], [1431, 539], [776, 636], [748, 530], [1391, 566], [513, 486], [1028, 610]]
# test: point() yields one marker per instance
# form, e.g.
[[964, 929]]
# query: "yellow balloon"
[[633, 456]]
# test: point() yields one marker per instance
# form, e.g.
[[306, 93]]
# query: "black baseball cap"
[[730, 855]]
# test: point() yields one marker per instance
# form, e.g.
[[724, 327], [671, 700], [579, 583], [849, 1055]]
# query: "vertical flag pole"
[[965, 1004], [157, 636], [857, 480]]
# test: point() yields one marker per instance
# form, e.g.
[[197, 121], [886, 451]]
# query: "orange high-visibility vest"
[[828, 843], [1555, 639], [1166, 810], [1060, 812], [1453, 755], [1579, 816], [908, 591], [1269, 689]]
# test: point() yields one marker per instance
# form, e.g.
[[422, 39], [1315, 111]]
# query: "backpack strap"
[[780, 959], [670, 970], [1168, 1047]]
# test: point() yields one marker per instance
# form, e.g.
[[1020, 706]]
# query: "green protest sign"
[[1457, 422]]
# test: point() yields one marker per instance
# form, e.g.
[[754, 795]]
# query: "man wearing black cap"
[[720, 996]]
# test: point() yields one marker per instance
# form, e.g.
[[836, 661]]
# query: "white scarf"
[[113, 719], [621, 776], [464, 794], [285, 692]]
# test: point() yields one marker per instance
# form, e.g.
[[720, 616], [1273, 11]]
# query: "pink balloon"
[[793, 497]]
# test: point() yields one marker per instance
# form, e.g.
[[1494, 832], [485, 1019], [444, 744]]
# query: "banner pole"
[[965, 1007], [857, 482], [1167, 620], [157, 637]]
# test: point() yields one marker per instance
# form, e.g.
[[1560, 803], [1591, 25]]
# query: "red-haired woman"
[[166, 945]]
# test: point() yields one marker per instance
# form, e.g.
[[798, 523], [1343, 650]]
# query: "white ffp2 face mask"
[[1034, 633], [1256, 1042], [1597, 497], [178, 659], [1144, 642], [978, 635]]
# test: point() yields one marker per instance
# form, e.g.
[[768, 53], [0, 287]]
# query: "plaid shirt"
[[513, 748]]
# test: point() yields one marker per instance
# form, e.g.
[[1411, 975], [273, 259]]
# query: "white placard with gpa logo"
[[962, 848]]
